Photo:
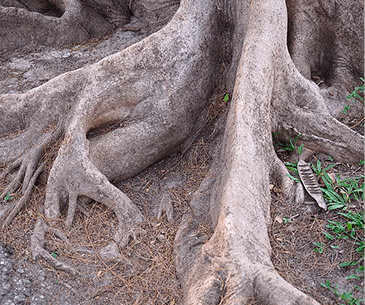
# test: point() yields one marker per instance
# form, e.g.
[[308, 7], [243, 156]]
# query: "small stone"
[[37, 299], [6, 286], [2, 291], [19, 298]]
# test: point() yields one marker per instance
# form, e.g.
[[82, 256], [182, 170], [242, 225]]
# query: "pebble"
[[15, 284]]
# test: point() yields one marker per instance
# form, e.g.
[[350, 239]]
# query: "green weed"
[[357, 94], [320, 247], [339, 194], [226, 98], [347, 296], [286, 220], [8, 197]]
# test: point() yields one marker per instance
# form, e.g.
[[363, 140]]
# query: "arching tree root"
[[156, 91]]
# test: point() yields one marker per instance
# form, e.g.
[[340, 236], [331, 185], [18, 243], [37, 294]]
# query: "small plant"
[[358, 93], [347, 296], [361, 163], [320, 247], [329, 287], [293, 166], [348, 229], [345, 109], [287, 220], [321, 171], [291, 145], [8, 197], [226, 97], [339, 194]]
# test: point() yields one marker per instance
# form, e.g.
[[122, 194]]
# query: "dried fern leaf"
[[310, 183]]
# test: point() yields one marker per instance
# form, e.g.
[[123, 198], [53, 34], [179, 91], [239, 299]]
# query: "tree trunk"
[[133, 108]]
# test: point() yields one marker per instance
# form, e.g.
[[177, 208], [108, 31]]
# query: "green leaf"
[[335, 206], [335, 247], [345, 264], [300, 149], [333, 196], [54, 254], [328, 236], [7, 197], [226, 98], [293, 178], [319, 167], [345, 296], [352, 276], [345, 237], [327, 285], [320, 247], [361, 268]]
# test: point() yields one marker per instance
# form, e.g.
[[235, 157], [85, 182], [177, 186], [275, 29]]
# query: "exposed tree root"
[[23, 200], [238, 253], [156, 91], [38, 251], [76, 24], [140, 70]]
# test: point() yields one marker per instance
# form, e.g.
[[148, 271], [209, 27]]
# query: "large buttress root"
[[155, 90], [330, 50], [159, 118], [74, 23], [235, 261]]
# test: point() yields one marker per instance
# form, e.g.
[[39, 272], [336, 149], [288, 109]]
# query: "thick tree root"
[[76, 24], [173, 65], [301, 109], [234, 265]]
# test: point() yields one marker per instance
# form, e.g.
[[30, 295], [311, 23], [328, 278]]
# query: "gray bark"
[[155, 95]]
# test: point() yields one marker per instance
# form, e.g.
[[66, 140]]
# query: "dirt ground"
[[293, 243], [145, 272]]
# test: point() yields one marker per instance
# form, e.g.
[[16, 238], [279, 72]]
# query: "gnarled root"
[[15, 208], [74, 23], [28, 171], [37, 246]]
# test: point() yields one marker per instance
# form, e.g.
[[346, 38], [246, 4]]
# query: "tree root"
[[23, 200], [27, 174], [238, 253], [38, 251], [77, 23], [233, 265]]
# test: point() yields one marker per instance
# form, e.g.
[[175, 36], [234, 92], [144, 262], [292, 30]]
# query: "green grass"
[[357, 94], [340, 195], [288, 146]]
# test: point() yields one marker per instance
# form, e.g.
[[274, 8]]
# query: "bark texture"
[[122, 114]]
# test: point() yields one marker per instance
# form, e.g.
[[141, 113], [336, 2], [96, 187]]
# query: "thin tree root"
[[38, 251], [28, 163], [24, 198]]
